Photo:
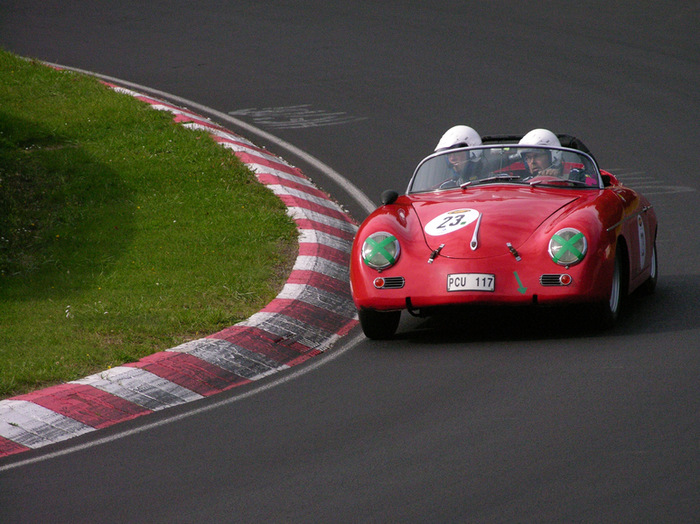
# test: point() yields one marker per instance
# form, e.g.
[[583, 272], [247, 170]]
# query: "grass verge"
[[121, 232]]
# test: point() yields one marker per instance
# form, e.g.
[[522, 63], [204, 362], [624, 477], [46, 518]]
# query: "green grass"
[[121, 232]]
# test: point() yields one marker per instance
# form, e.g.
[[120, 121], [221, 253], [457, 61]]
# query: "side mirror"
[[389, 197]]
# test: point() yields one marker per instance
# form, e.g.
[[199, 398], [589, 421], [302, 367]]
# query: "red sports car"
[[482, 226]]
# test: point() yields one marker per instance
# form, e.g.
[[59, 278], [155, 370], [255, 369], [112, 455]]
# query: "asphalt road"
[[509, 419]]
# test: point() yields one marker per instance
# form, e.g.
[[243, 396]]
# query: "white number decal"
[[451, 221]]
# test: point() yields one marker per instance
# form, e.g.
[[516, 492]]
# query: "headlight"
[[380, 250], [568, 246]]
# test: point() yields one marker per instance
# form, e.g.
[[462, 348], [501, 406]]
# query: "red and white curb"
[[313, 310]]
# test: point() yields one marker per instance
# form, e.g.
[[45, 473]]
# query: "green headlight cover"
[[380, 250], [568, 246]]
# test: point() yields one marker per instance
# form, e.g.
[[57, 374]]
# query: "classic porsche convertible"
[[502, 232]]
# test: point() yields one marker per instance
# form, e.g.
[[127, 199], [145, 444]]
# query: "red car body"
[[501, 231]]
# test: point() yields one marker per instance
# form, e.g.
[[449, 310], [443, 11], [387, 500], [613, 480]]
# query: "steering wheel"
[[543, 179], [447, 184]]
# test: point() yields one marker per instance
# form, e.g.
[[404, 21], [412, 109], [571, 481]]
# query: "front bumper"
[[516, 283]]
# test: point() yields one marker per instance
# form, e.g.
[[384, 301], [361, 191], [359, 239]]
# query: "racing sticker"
[[642, 241], [451, 221]]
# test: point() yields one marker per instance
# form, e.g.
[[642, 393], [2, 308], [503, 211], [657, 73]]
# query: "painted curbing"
[[313, 310]]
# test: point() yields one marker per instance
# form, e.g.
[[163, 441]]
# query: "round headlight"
[[568, 246], [380, 250]]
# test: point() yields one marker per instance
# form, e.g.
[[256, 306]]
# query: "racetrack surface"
[[514, 418]]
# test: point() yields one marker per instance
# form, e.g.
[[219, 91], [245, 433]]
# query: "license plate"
[[470, 282]]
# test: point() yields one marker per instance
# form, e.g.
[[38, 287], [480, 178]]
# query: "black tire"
[[650, 285], [609, 311], [379, 325]]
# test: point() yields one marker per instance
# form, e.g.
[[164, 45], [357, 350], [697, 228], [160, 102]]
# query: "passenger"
[[464, 165], [541, 162]]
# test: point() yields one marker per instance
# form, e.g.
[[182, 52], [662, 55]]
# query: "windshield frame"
[[511, 151]]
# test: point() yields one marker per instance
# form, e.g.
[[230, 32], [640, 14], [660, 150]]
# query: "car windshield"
[[534, 166]]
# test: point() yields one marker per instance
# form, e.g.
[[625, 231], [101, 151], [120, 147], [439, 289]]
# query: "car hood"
[[480, 223]]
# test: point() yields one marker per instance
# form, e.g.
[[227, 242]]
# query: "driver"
[[463, 165], [541, 162]]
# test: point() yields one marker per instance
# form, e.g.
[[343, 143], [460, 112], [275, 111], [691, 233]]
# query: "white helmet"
[[541, 137], [459, 136]]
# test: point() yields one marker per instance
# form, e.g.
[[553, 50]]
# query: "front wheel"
[[379, 325]]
